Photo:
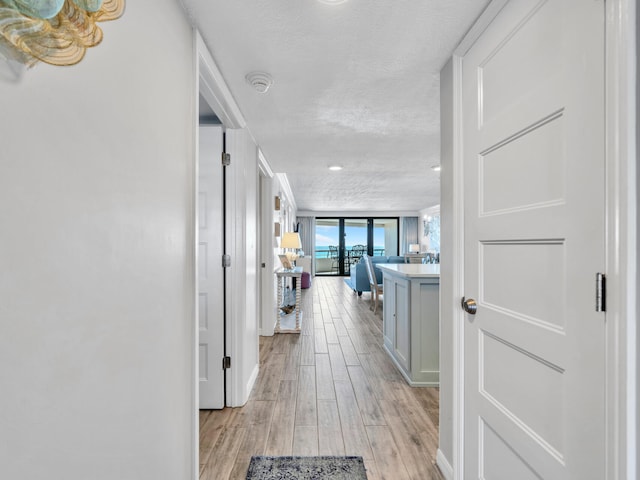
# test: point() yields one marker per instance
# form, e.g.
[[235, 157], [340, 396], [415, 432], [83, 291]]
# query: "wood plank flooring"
[[331, 390]]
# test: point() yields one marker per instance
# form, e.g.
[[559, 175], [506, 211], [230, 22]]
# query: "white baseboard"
[[240, 402], [266, 332], [252, 381], [443, 464]]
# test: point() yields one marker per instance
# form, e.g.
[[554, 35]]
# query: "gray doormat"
[[306, 468]]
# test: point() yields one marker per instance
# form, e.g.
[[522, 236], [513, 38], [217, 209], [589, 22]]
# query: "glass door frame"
[[342, 271]]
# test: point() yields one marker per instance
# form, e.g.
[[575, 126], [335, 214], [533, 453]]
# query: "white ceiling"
[[355, 84]]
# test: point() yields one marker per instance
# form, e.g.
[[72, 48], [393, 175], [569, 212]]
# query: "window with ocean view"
[[341, 242]]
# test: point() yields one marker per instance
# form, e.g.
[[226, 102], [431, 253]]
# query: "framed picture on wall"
[[286, 264]]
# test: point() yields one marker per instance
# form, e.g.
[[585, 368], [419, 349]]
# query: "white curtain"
[[408, 233], [308, 238]]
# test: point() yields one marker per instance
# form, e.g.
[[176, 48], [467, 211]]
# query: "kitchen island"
[[411, 320]]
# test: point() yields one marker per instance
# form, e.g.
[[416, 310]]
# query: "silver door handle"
[[469, 305]]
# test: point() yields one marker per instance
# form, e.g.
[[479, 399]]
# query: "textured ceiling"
[[355, 84]]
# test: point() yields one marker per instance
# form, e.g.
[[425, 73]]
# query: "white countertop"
[[411, 270]]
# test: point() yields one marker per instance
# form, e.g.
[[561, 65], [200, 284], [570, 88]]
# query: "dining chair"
[[376, 288], [335, 258], [357, 251]]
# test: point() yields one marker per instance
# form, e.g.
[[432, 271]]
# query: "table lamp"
[[291, 240], [414, 248]]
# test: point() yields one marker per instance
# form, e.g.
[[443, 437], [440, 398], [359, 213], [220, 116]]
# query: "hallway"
[[330, 391]]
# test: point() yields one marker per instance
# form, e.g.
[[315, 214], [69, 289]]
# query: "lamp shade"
[[414, 248], [291, 240]]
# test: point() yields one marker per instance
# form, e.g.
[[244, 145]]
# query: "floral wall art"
[[57, 32]]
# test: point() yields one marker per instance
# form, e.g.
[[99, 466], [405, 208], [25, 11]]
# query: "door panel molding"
[[210, 281], [621, 242]]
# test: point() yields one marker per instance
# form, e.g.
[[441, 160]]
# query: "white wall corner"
[[286, 190], [435, 210], [215, 90], [444, 465], [267, 248], [267, 332], [264, 165], [251, 382]]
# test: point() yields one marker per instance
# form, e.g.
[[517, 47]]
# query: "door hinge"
[[601, 292], [226, 159], [226, 260], [226, 362]]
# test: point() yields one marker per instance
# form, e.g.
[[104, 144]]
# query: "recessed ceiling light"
[[436, 168], [332, 2], [335, 168]]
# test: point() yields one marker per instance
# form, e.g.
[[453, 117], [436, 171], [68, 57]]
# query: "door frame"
[[621, 246], [267, 300], [211, 85], [370, 237]]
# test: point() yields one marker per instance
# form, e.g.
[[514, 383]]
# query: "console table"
[[284, 323], [411, 320]]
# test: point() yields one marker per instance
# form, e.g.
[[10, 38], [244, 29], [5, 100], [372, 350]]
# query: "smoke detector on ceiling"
[[260, 81]]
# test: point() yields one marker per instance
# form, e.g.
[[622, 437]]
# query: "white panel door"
[[210, 271], [533, 143], [242, 283]]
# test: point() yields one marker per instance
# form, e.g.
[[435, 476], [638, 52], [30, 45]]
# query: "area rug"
[[306, 468]]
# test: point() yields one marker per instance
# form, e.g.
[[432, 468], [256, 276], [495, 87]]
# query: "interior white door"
[[210, 270], [533, 149]]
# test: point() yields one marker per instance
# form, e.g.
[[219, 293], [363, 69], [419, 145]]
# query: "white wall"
[[447, 300], [268, 295], [96, 274], [252, 353], [272, 187], [286, 216], [288, 208]]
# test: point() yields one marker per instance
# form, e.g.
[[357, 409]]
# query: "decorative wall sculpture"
[[57, 32]]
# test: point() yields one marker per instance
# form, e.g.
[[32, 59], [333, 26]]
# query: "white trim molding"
[[443, 464], [211, 85], [215, 91], [621, 240], [481, 24], [458, 272], [263, 165], [286, 189], [195, 325]]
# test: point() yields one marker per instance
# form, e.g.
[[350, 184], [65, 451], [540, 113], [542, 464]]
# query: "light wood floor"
[[330, 391]]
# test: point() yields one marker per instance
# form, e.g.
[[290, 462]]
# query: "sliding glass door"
[[341, 242], [356, 241]]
